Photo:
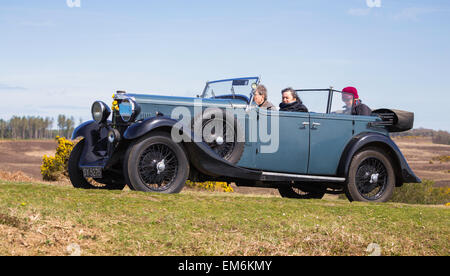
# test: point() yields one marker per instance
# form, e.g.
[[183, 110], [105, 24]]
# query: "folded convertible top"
[[394, 120]]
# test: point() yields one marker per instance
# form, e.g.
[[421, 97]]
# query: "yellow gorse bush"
[[211, 186], [442, 158], [55, 167]]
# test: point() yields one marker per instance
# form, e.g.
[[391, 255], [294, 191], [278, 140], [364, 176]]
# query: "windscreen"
[[242, 86], [315, 101], [342, 103]]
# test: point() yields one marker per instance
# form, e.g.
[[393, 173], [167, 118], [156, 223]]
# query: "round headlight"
[[128, 110], [100, 112]]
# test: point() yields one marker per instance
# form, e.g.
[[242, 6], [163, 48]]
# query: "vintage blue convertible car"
[[155, 143]]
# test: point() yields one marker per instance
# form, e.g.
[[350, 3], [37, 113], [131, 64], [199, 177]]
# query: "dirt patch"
[[13, 222], [25, 156]]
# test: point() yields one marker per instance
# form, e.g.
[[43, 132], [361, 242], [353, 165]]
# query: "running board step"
[[271, 176]]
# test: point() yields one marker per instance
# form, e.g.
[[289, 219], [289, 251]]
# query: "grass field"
[[42, 219]]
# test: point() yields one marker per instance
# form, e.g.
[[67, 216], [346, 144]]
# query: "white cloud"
[[373, 3]]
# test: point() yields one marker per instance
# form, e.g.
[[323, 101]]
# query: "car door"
[[289, 132], [330, 133]]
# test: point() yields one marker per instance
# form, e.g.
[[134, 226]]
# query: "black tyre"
[[294, 191], [79, 181], [226, 141], [371, 177], [156, 164]]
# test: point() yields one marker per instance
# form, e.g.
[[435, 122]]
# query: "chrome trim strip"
[[305, 177]]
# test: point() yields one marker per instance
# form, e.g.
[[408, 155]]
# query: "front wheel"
[[371, 177], [156, 164]]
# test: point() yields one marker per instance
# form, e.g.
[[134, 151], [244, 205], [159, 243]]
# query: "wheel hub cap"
[[161, 166], [219, 140], [374, 178]]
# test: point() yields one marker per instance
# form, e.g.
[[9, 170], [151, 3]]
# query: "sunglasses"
[[347, 98]]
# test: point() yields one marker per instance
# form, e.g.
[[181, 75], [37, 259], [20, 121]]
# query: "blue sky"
[[55, 59]]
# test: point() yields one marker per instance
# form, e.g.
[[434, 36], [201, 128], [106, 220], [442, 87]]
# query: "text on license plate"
[[92, 172]]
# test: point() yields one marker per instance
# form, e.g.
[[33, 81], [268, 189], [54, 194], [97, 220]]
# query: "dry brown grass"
[[15, 177], [31, 234]]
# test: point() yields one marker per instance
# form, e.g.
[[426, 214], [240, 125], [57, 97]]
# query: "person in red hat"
[[353, 104]]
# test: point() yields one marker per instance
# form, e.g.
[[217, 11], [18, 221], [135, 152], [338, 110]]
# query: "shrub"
[[15, 176], [210, 186], [53, 168], [421, 193], [441, 137], [442, 158]]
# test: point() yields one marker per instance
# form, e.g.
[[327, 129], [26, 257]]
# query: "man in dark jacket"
[[291, 101], [353, 105]]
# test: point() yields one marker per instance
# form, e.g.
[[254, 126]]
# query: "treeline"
[[422, 132], [31, 127], [441, 137], [438, 137]]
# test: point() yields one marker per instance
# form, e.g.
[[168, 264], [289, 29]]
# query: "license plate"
[[92, 172]]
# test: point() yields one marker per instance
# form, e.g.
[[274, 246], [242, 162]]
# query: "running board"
[[271, 176], [207, 162]]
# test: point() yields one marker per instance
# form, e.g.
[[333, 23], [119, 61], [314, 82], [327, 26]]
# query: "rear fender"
[[404, 173]]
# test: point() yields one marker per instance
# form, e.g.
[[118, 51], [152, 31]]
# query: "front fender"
[[139, 129], [84, 129], [95, 150], [403, 171]]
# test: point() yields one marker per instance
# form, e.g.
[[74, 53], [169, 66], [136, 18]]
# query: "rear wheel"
[[156, 164], [371, 177], [79, 181]]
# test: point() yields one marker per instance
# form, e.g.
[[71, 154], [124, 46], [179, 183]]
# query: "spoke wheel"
[[221, 139], [371, 177], [155, 163], [221, 131], [158, 167]]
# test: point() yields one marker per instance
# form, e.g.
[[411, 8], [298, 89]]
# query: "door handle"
[[304, 125], [315, 125]]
